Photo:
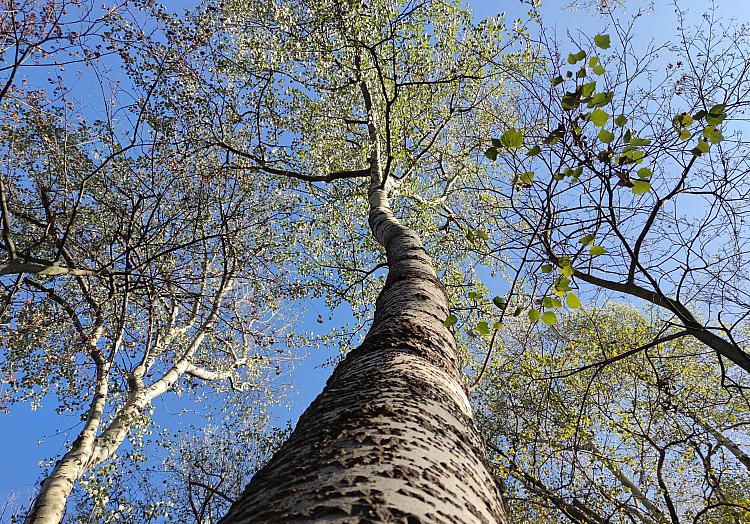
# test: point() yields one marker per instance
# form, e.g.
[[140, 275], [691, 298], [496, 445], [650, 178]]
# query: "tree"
[[392, 94], [592, 421], [633, 179], [130, 267], [203, 468], [625, 176]]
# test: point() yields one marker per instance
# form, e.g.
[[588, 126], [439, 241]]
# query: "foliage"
[[632, 180], [591, 420], [132, 266], [189, 474]]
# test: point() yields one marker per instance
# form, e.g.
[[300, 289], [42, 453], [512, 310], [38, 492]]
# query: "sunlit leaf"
[[602, 41], [598, 117], [574, 58], [713, 135], [572, 301], [640, 187], [644, 173], [605, 136], [586, 240], [512, 138], [534, 151]]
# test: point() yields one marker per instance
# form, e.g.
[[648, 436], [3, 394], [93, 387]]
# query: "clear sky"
[[27, 437]]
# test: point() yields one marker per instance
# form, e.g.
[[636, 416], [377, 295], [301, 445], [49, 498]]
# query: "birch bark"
[[96, 442]]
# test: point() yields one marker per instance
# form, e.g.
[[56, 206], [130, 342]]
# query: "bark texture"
[[391, 438]]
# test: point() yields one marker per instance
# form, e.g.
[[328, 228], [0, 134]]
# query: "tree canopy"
[[582, 200]]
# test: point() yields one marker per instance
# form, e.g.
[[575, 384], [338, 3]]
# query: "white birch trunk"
[[49, 504]]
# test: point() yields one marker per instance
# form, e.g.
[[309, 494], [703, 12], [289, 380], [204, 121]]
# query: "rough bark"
[[391, 438]]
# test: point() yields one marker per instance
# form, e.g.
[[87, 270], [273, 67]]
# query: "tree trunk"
[[391, 438], [49, 504]]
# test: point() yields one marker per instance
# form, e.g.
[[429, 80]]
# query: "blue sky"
[[22, 429]]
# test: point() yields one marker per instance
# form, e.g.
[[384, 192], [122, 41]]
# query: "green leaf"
[[602, 41], [572, 301], [716, 115], [534, 151], [499, 302], [587, 89], [534, 315], [450, 321], [554, 136], [598, 69], [598, 117], [701, 148], [512, 138], [491, 153], [562, 285], [635, 141], [700, 115], [546, 268], [685, 134], [640, 187], [593, 61], [526, 177], [497, 325], [586, 240], [551, 302], [482, 328], [621, 120], [557, 80], [597, 250], [549, 318], [601, 99], [570, 101], [575, 58], [605, 136], [682, 120], [567, 271], [714, 135], [644, 173], [631, 156], [715, 119]]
